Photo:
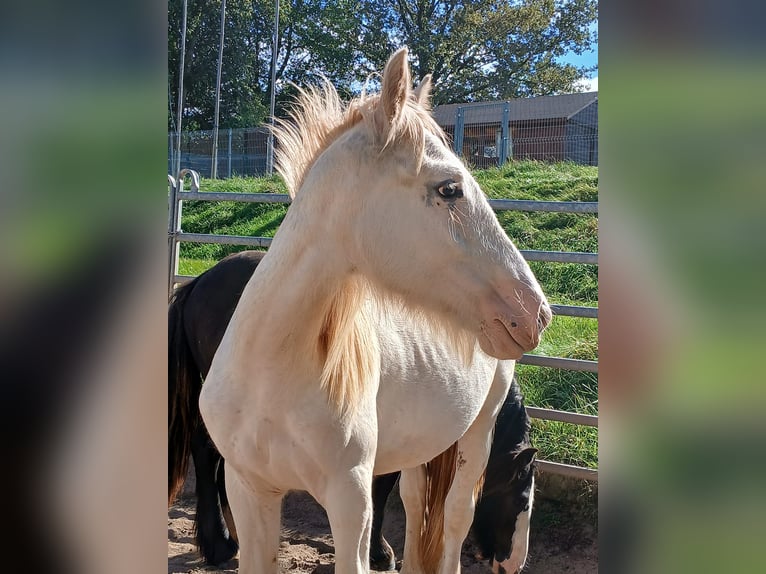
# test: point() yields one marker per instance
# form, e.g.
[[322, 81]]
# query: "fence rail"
[[496, 204], [176, 236], [563, 416], [251, 241], [560, 363]]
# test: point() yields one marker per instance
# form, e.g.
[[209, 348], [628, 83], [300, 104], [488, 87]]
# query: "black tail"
[[184, 386]]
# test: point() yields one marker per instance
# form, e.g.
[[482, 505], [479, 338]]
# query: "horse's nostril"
[[544, 316]]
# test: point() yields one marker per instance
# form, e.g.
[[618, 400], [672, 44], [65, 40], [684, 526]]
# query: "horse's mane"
[[319, 117], [347, 345]]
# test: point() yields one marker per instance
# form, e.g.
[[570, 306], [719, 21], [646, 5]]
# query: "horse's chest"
[[425, 404], [274, 435]]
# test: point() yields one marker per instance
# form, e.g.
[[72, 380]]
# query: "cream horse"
[[390, 260]]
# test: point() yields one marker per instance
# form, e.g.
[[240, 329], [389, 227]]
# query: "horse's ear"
[[423, 91], [395, 88], [525, 458]]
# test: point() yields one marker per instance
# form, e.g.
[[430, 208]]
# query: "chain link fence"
[[546, 128], [241, 152]]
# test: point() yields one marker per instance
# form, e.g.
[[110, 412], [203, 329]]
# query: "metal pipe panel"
[[560, 256], [575, 311], [560, 363], [225, 239], [568, 470], [547, 206], [238, 197], [563, 416]]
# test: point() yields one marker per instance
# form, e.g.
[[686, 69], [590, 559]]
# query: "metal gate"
[[176, 235]]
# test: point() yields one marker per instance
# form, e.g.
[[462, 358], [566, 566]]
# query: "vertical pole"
[[174, 221], [503, 155], [214, 166], [180, 90], [270, 144], [459, 126], [176, 252], [172, 210], [229, 152]]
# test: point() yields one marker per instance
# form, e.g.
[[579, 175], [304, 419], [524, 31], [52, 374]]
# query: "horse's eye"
[[526, 508], [450, 190]]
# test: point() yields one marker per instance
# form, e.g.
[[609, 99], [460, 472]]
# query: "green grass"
[[563, 283], [228, 218], [576, 338]]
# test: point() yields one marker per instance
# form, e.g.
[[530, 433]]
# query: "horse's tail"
[[440, 473], [184, 386]]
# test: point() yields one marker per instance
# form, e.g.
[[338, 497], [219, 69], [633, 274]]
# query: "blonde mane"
[[319, 117], [347, 345]]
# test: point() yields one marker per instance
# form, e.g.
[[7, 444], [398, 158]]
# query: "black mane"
[[512, 426]]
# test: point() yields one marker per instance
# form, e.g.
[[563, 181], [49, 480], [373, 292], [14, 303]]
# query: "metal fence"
[[546, 128], [241, 151], [176, 235]]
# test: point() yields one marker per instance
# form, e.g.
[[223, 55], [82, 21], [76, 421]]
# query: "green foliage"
[[487, 49], [563, 442], [563, 283], [476, 50], [246, 46], [316, 37]]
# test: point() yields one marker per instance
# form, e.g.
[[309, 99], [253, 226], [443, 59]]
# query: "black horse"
[[198, 315]]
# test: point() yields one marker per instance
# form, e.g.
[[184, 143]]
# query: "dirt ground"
[[558, 543]]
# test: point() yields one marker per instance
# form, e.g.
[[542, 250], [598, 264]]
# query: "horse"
[[199, 313], [309, 388], [197, 318]]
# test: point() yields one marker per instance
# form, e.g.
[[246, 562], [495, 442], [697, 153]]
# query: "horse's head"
[[397, 206], [428, 232], [501, 521]]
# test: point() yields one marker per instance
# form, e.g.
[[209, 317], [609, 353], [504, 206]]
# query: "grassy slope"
[[563, 283]]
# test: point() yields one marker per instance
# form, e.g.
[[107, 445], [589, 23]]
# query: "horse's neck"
[[281, 311]]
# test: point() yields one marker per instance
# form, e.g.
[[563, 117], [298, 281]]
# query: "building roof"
[[541, 107]]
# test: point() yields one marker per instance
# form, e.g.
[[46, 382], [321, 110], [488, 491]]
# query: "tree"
[[475, 49], [488, 49], [315, 37], [242, 76]]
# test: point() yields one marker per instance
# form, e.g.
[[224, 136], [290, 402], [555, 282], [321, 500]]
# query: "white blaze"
[[519, 542]]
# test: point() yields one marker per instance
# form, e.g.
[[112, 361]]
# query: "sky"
[[590, 82]]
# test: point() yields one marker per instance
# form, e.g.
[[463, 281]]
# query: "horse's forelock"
[[319, 117]]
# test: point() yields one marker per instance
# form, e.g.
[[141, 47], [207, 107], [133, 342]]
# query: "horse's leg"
[[412, 488], [460, 504], [381, 553], [473, 452], [348, 501], [257, 513], [224, 499], [211, 537]]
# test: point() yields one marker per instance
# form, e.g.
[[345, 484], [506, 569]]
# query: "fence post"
[[174, 223], [504, 139], [459, 124], [229, 161], [172, 234]]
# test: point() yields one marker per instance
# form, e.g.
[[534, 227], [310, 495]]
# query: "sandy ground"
[[557, 545]]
